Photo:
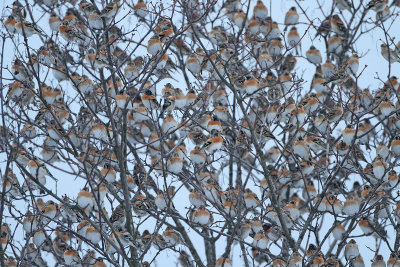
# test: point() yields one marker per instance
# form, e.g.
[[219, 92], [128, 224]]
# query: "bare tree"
[[133, 131]]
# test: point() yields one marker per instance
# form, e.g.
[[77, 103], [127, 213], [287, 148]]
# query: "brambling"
[[293, 38], [94, 20], [325, 28], [358, 261], [353, 63], [278, 263], [10, 23], [343, 5], [30, 222], [28, 29], [338, 232], [184, 259], [328, 70], [351, 205], [314, 55], [295, 260], [239, 19], [384, 14], [93, 235], [260, 240], [71, 257], [378, 261], [338, 26], [201, 216], [169, 124], [377, 5], [275, 47], [291, 17], [140, 9], [85, 199], [393, 260], [111, 9], [335, 44], [260, 11], [389, 54], [379, 167], [171, 237]]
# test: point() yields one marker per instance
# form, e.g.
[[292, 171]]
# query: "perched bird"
[[343, 5], [351, 250], [377, 5], [338, 26], [389, 54], [314, 55], [291, 17]]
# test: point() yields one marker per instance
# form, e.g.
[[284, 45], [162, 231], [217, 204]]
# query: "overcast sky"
[[368, 47]]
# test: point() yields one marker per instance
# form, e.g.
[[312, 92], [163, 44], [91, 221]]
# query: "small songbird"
[[393, 260], [49, 212], [71, 257], [260, 240], [39, 171], [377, 5], [351, 250], [343, 5], [10, 23], [325, 28], [353, 63], [149, 100], [338, 25], [28, 29], [379, 167], [168, 105], [275, 47], [395, 145], [93, 235], [184, 259], [301, 149], [378, 261], [260, 11], [140, 9], [335, 44], [389, 54], [54, 21], [213, 143], [291, 17], [154, 45], [314, 55], [85, 199], [293, 39], [111, 9], [201, 216]]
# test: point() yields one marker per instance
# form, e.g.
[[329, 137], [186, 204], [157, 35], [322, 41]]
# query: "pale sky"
[[368, 48]]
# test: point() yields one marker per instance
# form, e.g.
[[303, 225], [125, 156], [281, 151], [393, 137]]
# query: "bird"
[[291, 17], [389, 54], [343, 5], [111, 9], [351, 250], [378, 261], [260, 11], [201, 216], [140, 9], [184, 259], [27, 28], [377, 5], [338, 26], [314, 55], [293, 38], [260, 240]]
